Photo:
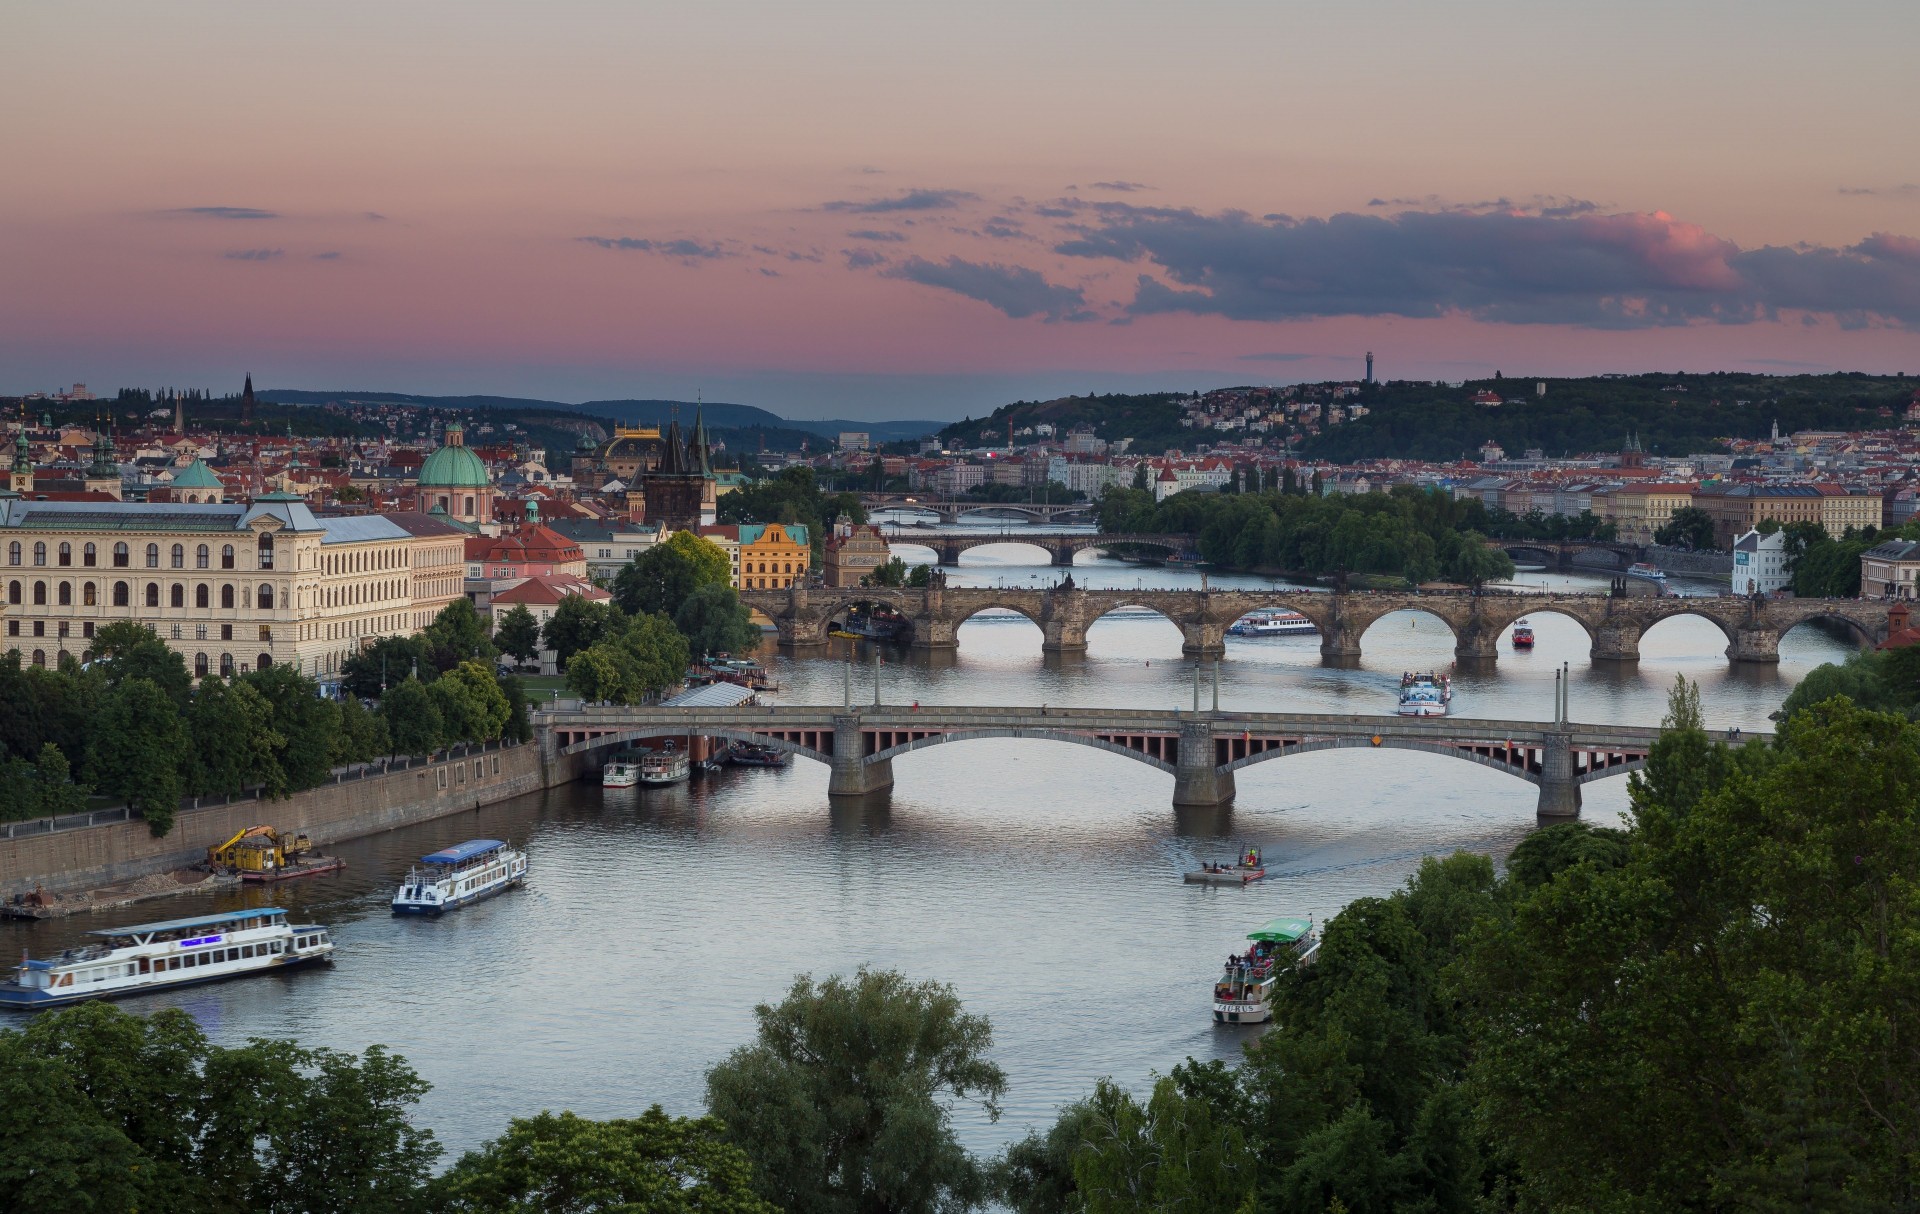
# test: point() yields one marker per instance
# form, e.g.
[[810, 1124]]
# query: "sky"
[[889, 210]]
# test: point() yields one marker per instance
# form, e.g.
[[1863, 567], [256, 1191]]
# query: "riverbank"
[[87, 857]]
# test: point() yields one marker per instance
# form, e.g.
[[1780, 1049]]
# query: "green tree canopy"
[[234, 745], [578, 623], [517, 634], [305, 723], [458, 634], [368, 672], [127, 650], [1689, 527], [714, 621], [661, 578], [137, 744], [414, 724]]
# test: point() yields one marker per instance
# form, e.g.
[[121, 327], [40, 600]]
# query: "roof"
[[416, 523], [359, 528], [453, 468], [753, 533], [1281, 931], [1895, 550], [462, 851], [197, 921], [545, 590], [713, 695], [535, 543], [196, 476]]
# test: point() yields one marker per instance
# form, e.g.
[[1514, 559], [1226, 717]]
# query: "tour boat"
[[1239, 872], [177, 952], [669, 766], [1271, 623], [748, 754], [1647, 573], [455, 876], [1246, 984], [1425, 695], [621, 771], [1522, 635]]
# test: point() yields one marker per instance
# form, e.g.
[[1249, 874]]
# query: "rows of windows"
[[202, 664], [122, 555], [370, 561], [63, 595]]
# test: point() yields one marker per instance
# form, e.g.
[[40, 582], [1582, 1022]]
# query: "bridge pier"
[[1203, 639], [1063, 555], [931, 632], [1063, 636], [1755, 645], [853, 775], [947, 554], [1478, 647], [1559, 791], [1196, 779], [1340, 644], [1616, 642]]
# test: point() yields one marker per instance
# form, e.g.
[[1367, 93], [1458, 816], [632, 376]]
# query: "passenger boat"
[[1246, 984], [668, 766], [1647, 573], [177, 952], [621, 771], [455, 876], [749, 754], [1425, 695], [1239, 872], [1271, 623], [1522, 635]]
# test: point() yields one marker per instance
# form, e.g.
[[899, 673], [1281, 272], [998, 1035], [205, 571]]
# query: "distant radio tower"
[[1369, 366]]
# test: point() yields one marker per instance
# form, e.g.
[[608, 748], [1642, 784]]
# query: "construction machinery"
[[261, 853]]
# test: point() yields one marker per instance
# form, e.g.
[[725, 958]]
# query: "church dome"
[[454, 466]]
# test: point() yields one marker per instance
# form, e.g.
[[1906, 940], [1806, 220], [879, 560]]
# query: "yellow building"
[[1738, 509], [1637, 511], [1841, 509]]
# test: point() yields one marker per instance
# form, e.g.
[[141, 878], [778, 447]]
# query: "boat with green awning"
[[1244, 990]]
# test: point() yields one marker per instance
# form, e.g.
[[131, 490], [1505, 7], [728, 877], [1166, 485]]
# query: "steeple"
[[702, 456], [104, 462], [673, 461], [179, 415], [246, 401], [21, 480]]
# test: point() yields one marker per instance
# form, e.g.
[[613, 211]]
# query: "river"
[[1042, 881]]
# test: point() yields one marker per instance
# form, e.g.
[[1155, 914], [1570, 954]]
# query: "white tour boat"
[[1271, 622], [178, 952], [1425, 695], [455, 876], [669, 766], [1647, 573], [621, 771], [1242, 995]]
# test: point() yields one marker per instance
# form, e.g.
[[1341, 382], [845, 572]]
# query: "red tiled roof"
[[547, 591]]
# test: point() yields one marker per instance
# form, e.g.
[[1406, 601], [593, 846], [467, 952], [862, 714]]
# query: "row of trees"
[[1421, 535], [792, 496]]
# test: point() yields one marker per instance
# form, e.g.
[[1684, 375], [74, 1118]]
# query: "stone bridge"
[[1200, 750], [1753, 627], [950, 510], [1570, 554], [1064, 545]]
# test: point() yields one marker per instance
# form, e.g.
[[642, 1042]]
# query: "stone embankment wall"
[[91, 856], [1692, 564]]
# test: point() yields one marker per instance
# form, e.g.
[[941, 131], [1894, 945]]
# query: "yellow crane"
[[258, 850]]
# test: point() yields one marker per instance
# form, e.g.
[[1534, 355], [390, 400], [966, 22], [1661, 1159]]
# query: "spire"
[[179, 415], [674, 459], [246, 401], [701, 452]]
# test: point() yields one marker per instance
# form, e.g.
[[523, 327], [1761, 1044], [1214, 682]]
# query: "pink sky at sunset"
[[901, 210]]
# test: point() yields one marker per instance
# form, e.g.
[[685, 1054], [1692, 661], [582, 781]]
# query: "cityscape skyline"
[[815, 214]]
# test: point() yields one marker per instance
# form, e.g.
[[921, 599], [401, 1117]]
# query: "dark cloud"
[[769, 273], [1015, 290], [1001, 227], [373, 215], [223, 213], [1276, 358], [1124, 187], [1056, 212], [863, 259], [690, 251], [1617, 271], [253, 254], [1550, 206], [912, 200], [1905, 190], [329, 255], [876, 234]]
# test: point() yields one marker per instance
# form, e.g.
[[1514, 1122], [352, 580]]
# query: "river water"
[[1041, 880]]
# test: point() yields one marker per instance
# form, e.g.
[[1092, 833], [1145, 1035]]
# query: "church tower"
[[104, 475], [21, 479], [246, 401]]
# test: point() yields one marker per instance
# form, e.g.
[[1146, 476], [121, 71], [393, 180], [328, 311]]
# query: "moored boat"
[[750, 754], [1647, 573], [457, 875], [177, 952], [1242, 994], [1270, 623], [1238, 872], [621, 771], [667, 766], [1425, 695], [1522, 635]]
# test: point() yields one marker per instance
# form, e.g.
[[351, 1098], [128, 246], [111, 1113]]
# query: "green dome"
[[454, 468], [196, 476]]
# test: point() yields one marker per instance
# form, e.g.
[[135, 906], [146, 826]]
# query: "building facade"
[[1890, 570], [853, 552], [1760, 564]]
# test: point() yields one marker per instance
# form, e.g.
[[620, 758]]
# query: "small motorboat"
[[1238, 872], [1522, 635]]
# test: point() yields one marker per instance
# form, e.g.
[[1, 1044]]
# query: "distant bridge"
[[1753, 627], [1570, 554], [951, 510], [1064, 545], [1201, 750]]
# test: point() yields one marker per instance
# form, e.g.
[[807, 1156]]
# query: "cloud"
[[1003, 228], [876, 234], [223, 213], [1904, 190], [769, 273], [373, 215], [253, 254], [1056, 212], [1123, 187], [1276, 358], [912, 200], [863, 259], [1597, 270], [1015, 290], [329, 255], [691, 252]]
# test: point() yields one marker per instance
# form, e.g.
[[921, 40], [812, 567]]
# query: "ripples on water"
[[1042, 880]]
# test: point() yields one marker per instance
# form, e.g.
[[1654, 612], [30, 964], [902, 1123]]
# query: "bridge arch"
[[1861, 634], [963, 614], [680, 731], [1523, 761], [1676, 612], [1044, 735], [1410, 618]]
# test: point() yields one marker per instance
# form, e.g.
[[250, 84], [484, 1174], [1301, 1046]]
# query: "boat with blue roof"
[[454, 876], [176, 952]]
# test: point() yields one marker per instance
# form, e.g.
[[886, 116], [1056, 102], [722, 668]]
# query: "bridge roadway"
[[804, 615], [950, 510], [1201, 750], [1064, 545]]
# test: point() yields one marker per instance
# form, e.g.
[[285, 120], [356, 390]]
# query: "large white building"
[[1760, 563]]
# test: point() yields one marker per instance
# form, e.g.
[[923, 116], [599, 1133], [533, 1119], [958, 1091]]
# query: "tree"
[[1140, 484], [518, 727], [569, 1165], [305, 723], [715, 621], [1689, 527], [234, 746], [517, 634], [1476, 564], [136, 749], [842, 1101], [362, 736], [368, 672], [577, 623], [598, 676], [126, 650], [414, 726], [891, 572], [458, 634], [920, 577], [661, 578], [1172, 1154], [472, 706]]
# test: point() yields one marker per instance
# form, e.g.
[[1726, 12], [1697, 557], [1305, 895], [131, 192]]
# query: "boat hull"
[[436, 909], [319, 865], [626, 780], [1241, 1011], [1233, 876], [22, 999]]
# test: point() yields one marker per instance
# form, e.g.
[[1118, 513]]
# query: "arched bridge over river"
[[1753, 626], [1200, 750], [1063, 545]]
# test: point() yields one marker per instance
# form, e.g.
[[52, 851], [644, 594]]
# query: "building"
[[455, 482], [855, 440], [438, 564], [1888, 570], [1637, 511], [953, 480], [541, 596], [853, 552], [773, 556], [1842, 508], [528, 551], [608, 544], [726, 537], [1738, 509], [1760, 563], [196, 484], [679, 494]]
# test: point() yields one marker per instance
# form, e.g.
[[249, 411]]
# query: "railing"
[[47, 826]]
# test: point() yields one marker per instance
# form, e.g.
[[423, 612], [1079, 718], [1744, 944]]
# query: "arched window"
[[200, 557], [266, 551], [65, 597], [39, 657], [178, 596], [226, 556], [469, 509], [40, 552], [13, 553], [265, 662], [66, 553], [264, 597], [200, 595], [226, 596], [199, 665], [87, 555], [39, 594], [153, 556], [179, 557], [226, 665], [153, 594], [13, 592], [120, 594], [89, 596], [120, 555], [443, 501]]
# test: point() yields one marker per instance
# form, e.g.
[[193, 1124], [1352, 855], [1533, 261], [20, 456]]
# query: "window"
[[200, 595], [66, 553], [177, 597], [266, 633], [199, 632], [176, 632], [65, 597], [153, 594], [266, 551], [88, 596], [86, 630], [469, 509], [13, 628], [200, 557], [226, 556], [87, 555], [13, 593], [40, 552], [264, 597], [226, 665], [120, 555], [39, 628], [64, 629], [153, 556], [179, 557], [199, 665], [226, 596], [120, 594], [39, 657], [39, 594], [226, 632], [13, 553]]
